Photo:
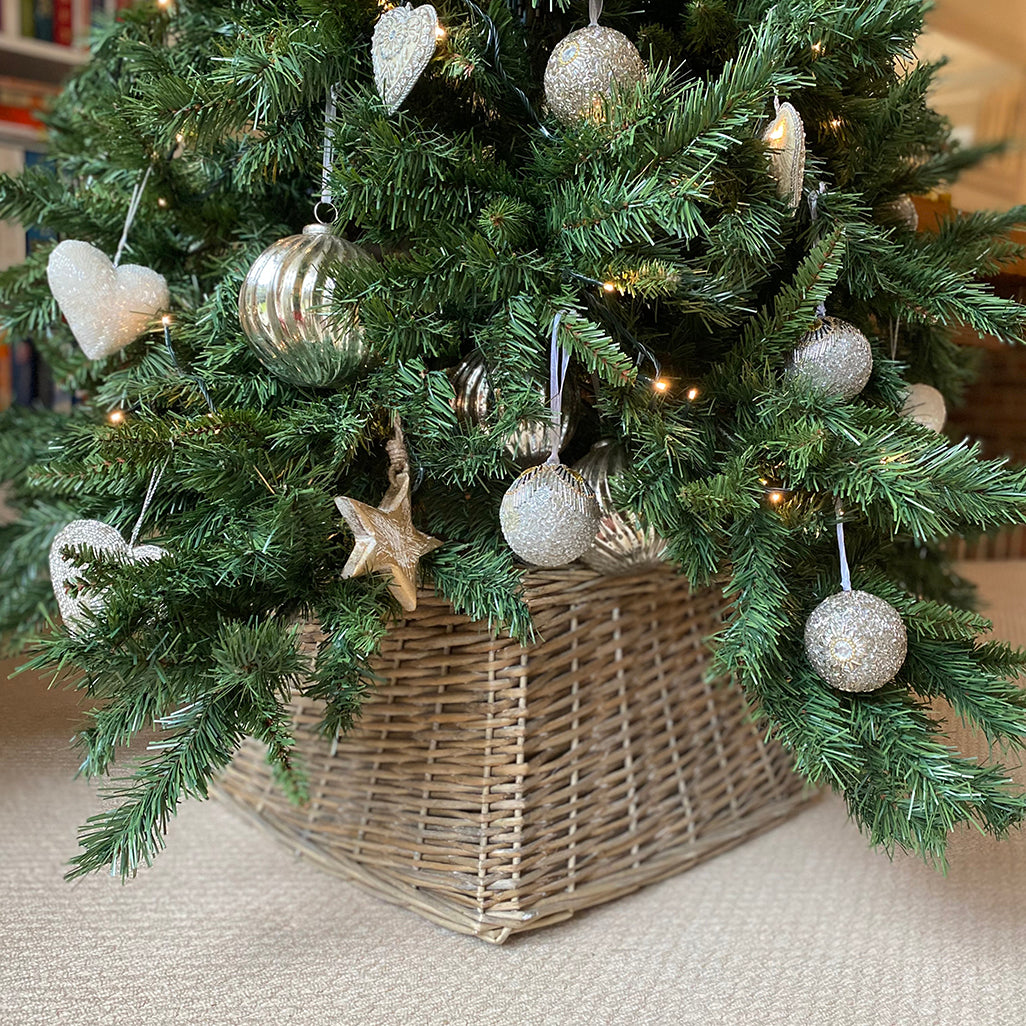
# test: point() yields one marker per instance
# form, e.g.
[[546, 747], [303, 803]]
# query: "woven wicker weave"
[[495, 789]]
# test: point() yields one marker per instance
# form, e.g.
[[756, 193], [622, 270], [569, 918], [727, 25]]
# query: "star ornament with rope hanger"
[[386, 540]]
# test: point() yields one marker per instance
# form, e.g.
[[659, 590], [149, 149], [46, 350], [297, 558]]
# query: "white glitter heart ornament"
[[99, 537], [403, 43], [106, 307]]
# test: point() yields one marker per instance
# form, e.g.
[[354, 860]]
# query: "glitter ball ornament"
[[622, 543], [531, 443], [901, 211], [835, 357], [549, 515], [285, 309], [583, 68], [855, 641], [102, 539], [106, 307], [785, 141], [925, 405]]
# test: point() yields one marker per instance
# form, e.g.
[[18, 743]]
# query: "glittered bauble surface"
[[531, 443], [835, 357], [403, 43], [901, 211], [386, 540], [855, 641], [285, 309], [785, 139], [101, 538], [926, 406], [106, 307], [549, 515], [583, 67], [622, 543]]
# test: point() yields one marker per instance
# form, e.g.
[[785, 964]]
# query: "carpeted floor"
[[803, 925]]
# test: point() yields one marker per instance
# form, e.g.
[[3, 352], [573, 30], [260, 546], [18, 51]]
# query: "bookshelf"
[[28, 29]]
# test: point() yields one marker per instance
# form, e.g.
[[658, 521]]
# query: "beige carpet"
[[803, 925]]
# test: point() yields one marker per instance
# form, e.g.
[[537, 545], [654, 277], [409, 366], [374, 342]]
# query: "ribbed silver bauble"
[[285, 309], [549, 515], [926, 406], [583, 67], [855, 641], [531, 443], [622, 543], [835, 357]]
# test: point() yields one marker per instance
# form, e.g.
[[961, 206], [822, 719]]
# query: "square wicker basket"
[[495, 789]]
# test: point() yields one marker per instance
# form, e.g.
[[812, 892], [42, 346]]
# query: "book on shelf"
[[25, 379], [37, 19], [63, 22], [23, 102]]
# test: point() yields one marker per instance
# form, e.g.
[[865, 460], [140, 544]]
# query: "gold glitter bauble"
[[285, 309], [583, 67], [835, 357], [925, 405], [855, 641], [622, 543], [549, 515]]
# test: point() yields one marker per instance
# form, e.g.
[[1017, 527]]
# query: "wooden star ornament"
[[386, 540]]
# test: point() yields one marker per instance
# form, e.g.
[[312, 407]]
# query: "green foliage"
[[658, 237]]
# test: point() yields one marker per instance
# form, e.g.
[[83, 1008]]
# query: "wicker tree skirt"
[[495, 789]]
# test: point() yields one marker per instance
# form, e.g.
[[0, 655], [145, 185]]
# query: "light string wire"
[[559, 360], [194, 378], [493, 43], [133, 209]]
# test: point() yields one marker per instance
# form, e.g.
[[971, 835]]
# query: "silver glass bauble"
[[285, 308], [855, 641], [899, 212], [622, 543], [549, 515], [583, 68], [531, 443], [926, 406], [835, 358]]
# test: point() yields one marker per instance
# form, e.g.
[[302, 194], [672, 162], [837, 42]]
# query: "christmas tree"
[[699, 212]]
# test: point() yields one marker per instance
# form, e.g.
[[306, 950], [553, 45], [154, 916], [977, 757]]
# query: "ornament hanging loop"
[[133, 209], [594, 11], [398, 457], [158, 473], [559, 360], [325, 211], [841, 551]]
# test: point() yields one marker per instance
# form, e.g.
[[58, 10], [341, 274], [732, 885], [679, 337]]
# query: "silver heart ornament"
[[100, 537], [404, 41], [106, 307], [785, 139]]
